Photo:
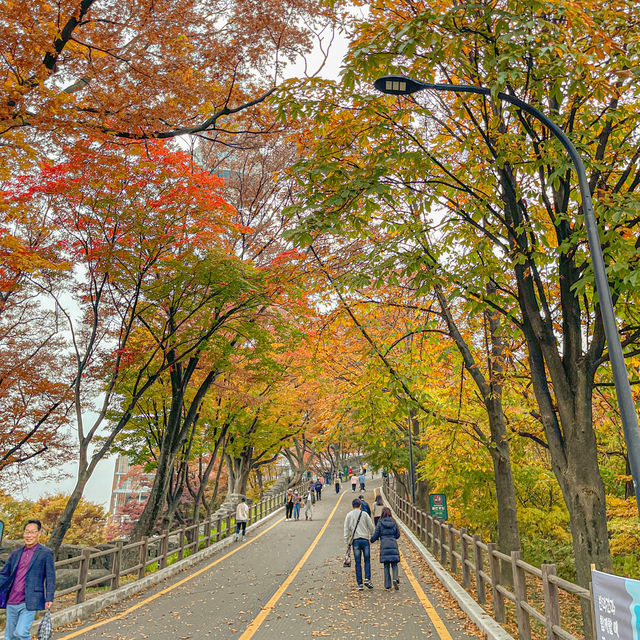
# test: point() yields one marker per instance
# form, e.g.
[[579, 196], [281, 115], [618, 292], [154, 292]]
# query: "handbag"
[[347, 556], [45, 629]]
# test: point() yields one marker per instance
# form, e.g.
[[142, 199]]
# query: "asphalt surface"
[[321, 600]]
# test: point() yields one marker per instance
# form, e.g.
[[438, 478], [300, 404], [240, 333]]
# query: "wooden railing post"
[[477, 559], [551, 602], [453, 561], [227, 529], [115, 565], [181, 541], [464, 554], [498, 598], [443, 551], [520, 593], [207, 532], [434, 536], [219, 529], [82, 576], [142, 558], [164, 548]]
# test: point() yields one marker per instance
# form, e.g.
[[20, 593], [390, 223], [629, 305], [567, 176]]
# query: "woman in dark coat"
[[388, 532]]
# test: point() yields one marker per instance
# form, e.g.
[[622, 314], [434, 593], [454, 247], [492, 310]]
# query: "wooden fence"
[[480, 568], [156, 551]]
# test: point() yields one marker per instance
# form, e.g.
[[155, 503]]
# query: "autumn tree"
[[87, 67], [503, 190], [125, 218]]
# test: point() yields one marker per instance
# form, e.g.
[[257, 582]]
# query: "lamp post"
[[403, 85]]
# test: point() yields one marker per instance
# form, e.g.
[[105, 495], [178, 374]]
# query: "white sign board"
[[616, 604]]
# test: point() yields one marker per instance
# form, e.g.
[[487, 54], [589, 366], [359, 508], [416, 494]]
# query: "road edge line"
[[256, 623], [485, 623], [94, 605], [437, 622]]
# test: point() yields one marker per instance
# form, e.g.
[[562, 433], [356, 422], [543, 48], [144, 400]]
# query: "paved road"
[[298, 574]]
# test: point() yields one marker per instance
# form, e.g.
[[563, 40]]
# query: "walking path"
[[286, 581]]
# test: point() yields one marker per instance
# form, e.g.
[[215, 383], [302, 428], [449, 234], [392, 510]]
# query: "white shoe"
[[243, 538], [235, 538]]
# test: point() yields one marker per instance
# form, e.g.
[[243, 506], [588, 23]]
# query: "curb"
[[85, 609], [485, 623]]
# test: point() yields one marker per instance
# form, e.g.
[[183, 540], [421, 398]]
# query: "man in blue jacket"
[[27, 583]]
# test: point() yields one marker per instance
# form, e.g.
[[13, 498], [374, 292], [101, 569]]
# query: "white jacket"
[[242, 512]]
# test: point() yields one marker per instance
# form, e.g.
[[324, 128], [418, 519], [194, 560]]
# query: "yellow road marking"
[[440, 627], [436, 620], [264, 612], [142, 603]]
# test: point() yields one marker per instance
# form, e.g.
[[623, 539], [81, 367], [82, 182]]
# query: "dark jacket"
[[388, 532], [365, 507], [40, 580]]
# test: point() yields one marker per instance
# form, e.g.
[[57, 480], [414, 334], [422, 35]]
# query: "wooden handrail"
[[443, 538]]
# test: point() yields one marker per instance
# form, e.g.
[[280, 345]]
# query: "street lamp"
[[403, 85]]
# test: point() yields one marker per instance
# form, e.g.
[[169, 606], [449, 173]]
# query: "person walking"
[[364, 505], [350, 471], [357, 531], [242, 513], [289, 506], [318, 490], [296, 505], [361, 480], [354, 482], [27, 583], [387, 531], [378, 506], [337, 482], [308, 506]]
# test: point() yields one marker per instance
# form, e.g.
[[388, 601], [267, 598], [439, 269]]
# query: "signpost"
[[438, 506], [616, 606]]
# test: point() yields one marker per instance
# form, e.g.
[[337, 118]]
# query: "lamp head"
[[398, 85]]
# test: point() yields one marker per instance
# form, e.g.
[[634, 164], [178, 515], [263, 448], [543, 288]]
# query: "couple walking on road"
[[359, 532]]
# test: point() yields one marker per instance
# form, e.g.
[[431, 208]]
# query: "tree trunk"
[[157, 496], [64, 521], [490, 387], [238, 470]]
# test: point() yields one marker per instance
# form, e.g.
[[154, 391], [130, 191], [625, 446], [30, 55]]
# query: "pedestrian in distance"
[[364, 505], [318, 490], [242, 513], [358, 528], [308, 506], [350, 471], [27, 583], [289, 505], [337, 482], [361, 480], [378, 506], [296, 505], [354, 482], [387, 532]]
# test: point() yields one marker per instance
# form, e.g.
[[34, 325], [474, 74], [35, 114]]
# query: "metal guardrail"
[[156, 549], [466, 557]]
